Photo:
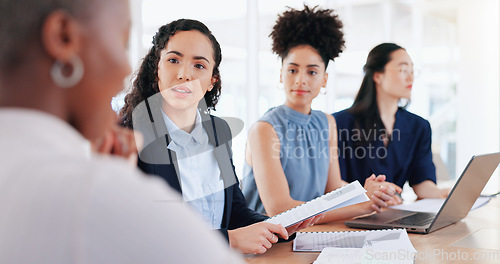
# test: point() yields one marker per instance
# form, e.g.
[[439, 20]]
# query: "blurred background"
[[454, 44]]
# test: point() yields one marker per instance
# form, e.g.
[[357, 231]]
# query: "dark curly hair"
[[318, 28], [145, 83]]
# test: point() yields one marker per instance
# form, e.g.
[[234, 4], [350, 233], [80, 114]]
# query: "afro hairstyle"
[[318, 28]]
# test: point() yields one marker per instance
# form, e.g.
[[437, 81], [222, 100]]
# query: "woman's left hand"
[[381, 193]]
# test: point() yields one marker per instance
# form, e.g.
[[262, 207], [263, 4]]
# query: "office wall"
[[478, 89], [453, 43]]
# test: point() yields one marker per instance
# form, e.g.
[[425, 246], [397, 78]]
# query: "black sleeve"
[[241, 215]]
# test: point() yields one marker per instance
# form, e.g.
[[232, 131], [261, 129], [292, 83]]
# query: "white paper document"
[[352, 193], [433, 205], [388, 239], [372, 246], [364, 256]]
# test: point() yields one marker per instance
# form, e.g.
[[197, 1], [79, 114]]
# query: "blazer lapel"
[[162, 132], [223, 161], [221, 152]]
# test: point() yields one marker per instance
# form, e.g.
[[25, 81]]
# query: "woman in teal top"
[[291, 152], [303, 151]]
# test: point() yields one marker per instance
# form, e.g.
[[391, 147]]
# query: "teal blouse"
[[304, 154]]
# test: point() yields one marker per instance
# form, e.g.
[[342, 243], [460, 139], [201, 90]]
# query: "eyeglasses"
[[407, 71]]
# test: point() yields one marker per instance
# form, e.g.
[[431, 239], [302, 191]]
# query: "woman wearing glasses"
[[376, 135]]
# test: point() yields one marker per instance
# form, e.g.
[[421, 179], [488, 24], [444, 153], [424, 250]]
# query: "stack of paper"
[[363, 256], [352, 193], [373, 246]]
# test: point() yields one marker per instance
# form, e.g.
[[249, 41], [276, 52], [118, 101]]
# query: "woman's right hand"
[[256, 238], [381, 193]]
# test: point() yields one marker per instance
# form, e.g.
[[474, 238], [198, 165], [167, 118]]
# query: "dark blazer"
[[407, 157], [156, 159]]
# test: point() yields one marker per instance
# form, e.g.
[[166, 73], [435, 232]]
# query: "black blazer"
[[156, 159]]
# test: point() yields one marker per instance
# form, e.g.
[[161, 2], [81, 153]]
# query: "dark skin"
[[24, 95], [100, 41]]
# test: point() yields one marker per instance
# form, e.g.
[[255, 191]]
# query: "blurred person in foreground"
[[61, 61]]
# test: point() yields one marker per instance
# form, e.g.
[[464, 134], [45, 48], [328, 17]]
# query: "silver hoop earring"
[[323, 90], [280, 86], [76, 75]]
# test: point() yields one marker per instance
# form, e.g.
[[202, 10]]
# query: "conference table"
[[478, 236]]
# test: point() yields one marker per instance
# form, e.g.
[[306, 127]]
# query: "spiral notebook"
[[350, 194], [387, 239]]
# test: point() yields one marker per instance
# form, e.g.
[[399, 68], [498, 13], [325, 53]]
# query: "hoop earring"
[[76, 75], [280, 86], [323, 90]]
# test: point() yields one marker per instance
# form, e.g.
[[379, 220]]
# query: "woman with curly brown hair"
[[187, 147], [291, 153]]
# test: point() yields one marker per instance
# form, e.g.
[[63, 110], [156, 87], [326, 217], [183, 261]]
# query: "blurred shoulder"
[[331, 120], [343, 118], [412, 118], [115, 175]]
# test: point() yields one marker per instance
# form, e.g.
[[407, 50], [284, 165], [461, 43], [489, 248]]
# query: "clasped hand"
[[119, 142], [381, 193]]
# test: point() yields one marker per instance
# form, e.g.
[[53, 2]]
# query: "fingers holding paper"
[[256, 238], [304, 224]]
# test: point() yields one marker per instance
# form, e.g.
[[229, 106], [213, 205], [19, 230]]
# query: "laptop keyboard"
[[418, 219]]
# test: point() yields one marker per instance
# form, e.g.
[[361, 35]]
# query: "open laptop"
[[458, 204]]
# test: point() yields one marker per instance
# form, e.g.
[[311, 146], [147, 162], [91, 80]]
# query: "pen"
[[398, 194]]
